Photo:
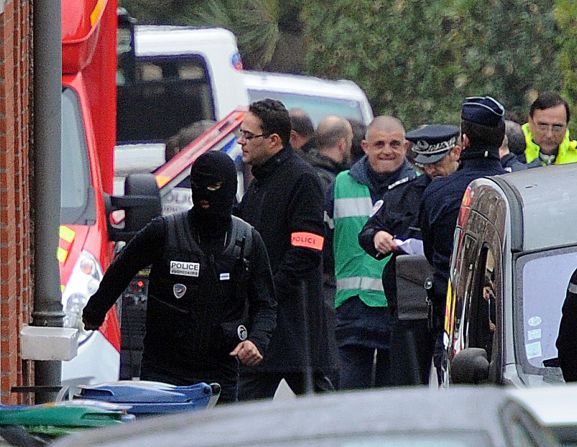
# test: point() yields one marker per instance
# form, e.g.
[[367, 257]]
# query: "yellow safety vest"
[[567, 149]]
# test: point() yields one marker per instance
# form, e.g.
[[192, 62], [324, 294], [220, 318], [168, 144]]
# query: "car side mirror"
[[470, 366], [141, 203]]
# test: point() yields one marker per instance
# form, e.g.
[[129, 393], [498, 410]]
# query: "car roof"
[[462, 409], [548, 205], [552, 405], [304, 85]]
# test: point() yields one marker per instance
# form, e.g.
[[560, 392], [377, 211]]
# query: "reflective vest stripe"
[[572, 288], [360, 282], [353, 207]]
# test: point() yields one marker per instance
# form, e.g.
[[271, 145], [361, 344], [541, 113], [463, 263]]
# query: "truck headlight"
[[83, 282]]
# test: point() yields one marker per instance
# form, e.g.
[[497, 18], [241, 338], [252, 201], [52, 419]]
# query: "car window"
[[316, 106], [174, 88], [542, 285]]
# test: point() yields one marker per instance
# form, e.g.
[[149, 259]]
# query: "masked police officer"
[[211, 299], [437, 152]]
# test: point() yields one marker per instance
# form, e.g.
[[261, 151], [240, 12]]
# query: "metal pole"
[[47, 147]]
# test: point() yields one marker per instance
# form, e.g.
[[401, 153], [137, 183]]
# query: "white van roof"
[[309, 86], [218, 48], [154, 40]]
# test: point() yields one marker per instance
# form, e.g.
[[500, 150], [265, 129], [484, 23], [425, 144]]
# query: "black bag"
[[414, 276]]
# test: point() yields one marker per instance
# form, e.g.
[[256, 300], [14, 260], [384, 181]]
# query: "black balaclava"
[[208, 171]]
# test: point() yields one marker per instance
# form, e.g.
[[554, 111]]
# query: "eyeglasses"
[[249, 135], [555, 128]]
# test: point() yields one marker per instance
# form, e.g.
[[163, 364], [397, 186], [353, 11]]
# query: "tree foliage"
[[415, 59], [566, 15], [418, 60]]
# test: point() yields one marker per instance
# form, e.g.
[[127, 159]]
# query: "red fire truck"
[[87, 237]]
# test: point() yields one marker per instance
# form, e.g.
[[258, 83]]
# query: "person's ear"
[[365, 145], [465, 141], [275, 139], [457, 152]]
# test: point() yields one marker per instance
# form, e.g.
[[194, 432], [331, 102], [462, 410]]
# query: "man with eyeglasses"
[[546, 132], [284, 202]]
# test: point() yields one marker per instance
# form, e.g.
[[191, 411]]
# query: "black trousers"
[[412, 346], [263, 385]]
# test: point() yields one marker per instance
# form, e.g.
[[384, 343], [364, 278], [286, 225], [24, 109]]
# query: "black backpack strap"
[[240, 241]]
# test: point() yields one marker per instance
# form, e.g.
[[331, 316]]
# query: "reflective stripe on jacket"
[[357, 273]]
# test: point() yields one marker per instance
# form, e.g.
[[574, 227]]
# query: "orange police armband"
[[307, 240]]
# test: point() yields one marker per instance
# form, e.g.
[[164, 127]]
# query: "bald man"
[[362, 327], [334, 137]]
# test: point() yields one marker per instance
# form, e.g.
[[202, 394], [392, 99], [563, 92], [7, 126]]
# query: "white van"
[[318, 97], [174, 76]]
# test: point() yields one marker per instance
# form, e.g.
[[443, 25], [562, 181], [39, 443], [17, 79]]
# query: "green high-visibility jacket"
[[357, 273]]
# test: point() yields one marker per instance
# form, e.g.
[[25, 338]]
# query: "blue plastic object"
[[149, 398]]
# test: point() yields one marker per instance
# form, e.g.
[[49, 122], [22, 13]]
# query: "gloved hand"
[[90, 323]]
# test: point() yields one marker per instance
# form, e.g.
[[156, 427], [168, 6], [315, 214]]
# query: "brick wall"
[[16, 230]]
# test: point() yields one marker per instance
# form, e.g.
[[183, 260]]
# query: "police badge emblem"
[[179, 290], [242, 332]]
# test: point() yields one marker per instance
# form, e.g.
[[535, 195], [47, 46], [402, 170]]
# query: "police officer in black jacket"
[[211, 299], [284, 202], [482, 132], [437, 151]]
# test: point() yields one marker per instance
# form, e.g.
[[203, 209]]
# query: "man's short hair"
[[274, 116], [301, 122], [515, 137], [483, 136], [546, 100], [359, 130], [328, 135]]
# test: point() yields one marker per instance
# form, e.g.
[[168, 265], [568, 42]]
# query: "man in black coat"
[[285, 203], [482, 132], [437, 151], [211, 297]]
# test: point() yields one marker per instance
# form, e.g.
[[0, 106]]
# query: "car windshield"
[[542, 280], [75, 173], [316, 106]]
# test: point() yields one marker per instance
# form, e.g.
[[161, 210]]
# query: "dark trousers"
[[363, 367], [263, 385], [411, 352], [228, 385]]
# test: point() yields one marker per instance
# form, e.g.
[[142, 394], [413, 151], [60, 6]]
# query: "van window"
[[483, 320], [316, 106], [161, 96], [543, 279]]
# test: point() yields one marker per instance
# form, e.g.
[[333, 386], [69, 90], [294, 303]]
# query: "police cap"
[[483, 110], [432, 142]]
